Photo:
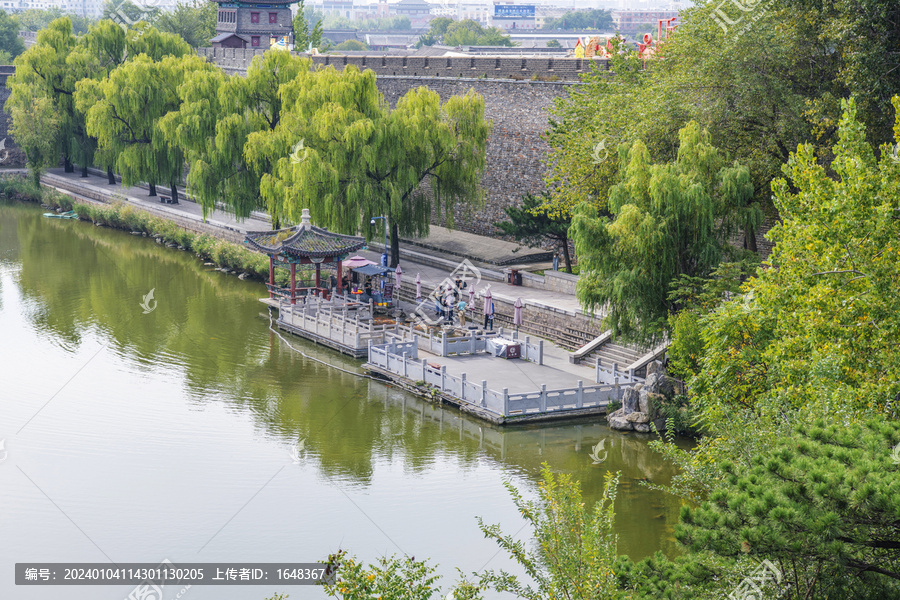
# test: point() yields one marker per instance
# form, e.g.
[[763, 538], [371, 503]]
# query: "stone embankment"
[[641, 403]]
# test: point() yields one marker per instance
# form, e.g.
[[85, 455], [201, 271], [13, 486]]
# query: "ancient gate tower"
[[253, 23]]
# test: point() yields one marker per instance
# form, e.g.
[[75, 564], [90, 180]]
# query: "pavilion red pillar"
[[271, 275], [318, 276], [293, 283], [340, 278]]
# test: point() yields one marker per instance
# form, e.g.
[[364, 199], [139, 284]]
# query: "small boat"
[[66, 215]]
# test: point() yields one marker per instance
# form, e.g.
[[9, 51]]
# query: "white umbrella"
[[398, 275], [517, 314], [472, 297], [418, 287], [488, 301], [357, 261]]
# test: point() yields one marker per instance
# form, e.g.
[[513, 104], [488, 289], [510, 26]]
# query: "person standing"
[[461, 307], [449, 303], [489, 317]]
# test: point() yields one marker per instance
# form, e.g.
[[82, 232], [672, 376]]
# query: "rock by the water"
[[642, 427], [244, 276], [136, 233], [620, 424], [638, 417], [655, 367], [631, 400]]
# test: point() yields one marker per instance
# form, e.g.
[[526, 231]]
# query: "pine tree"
[[530, 222]]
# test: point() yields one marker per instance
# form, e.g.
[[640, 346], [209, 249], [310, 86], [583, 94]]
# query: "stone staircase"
[[610, 353]]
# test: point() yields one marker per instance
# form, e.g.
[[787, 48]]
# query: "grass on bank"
[[121, 216]]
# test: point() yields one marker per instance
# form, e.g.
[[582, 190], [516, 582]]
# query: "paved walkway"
[[519, 375], [430, 275]]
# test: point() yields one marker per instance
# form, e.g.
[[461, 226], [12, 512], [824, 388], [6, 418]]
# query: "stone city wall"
[[517, 93]]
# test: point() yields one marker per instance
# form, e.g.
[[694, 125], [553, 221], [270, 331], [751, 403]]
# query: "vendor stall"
[[377, 284]]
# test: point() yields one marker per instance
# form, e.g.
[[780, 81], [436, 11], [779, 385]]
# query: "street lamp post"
[[384, 255]]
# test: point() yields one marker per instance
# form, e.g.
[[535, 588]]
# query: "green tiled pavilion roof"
[[304, 241]]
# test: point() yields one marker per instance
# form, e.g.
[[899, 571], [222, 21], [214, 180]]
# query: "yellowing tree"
[[821, 322]]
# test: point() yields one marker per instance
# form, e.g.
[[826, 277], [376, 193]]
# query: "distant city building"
[[341, 8], [253, 24], [463, 11], [417, 11], [513, 16], [630, 20]]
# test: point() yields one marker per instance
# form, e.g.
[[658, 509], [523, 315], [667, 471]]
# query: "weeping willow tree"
[[217, 116], [42, 73], [340, 151], [123, 112], [667, 220]]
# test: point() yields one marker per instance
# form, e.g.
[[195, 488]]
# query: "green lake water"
[[173, 434]]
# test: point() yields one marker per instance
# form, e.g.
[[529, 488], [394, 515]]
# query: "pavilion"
[[304, 245]]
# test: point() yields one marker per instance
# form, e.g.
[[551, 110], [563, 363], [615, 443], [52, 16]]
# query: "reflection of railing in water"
[[402, 359]]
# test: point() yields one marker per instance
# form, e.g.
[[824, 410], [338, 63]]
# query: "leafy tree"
[[35, 128], [359, 159], [95, 55], [350, 45], [436, 30], [215, 121], [532, 224], [697, 297], [819, 324], [463, 33], [595, 20], [317, 39], [554, 44], [123, 112], [10, 42], [752, 91], [35, 19], [576, 547], [669, 220], [194, 22], [389, 578], [42, 72], [301, 28], [861, 39]]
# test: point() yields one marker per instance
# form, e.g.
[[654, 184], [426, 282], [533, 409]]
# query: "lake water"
[[135, 436]]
